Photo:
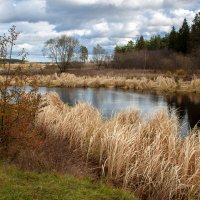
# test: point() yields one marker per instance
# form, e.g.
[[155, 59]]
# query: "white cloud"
[[182, 13], [101, 27], [25, 46], [160, 19], [107, 22]]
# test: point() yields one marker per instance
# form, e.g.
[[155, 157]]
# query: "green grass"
[[19, 185]]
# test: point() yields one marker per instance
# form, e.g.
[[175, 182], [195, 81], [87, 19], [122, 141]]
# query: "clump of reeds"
[[148, 157]]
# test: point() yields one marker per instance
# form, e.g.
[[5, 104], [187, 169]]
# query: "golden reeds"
[[160, 83], [148, 157]]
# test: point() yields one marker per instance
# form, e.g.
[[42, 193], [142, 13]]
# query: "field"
[[90, 69]]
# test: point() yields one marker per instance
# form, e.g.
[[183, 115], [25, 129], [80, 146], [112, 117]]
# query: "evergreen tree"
[[120, 49], [183, 38], [156, 42], [173, 39], [140, 43], [126, 48], [130, 46], [195, 32], [165, 41]]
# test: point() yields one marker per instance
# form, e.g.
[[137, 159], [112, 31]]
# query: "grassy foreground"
[[16, 184]]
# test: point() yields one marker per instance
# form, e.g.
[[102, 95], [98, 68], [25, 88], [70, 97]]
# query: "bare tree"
[[99, 55], [61, 50]]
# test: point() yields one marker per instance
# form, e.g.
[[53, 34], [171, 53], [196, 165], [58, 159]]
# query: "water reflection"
[[188, 107], [111, 101]]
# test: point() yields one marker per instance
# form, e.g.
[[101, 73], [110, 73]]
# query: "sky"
[[105, 22]]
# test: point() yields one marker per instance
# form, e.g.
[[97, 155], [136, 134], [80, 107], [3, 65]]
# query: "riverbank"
[[145, 156], [149, 157], [160, 83], [178, 81]]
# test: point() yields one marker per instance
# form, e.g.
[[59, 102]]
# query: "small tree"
[[99, 55], [61, 50], [83, 53]]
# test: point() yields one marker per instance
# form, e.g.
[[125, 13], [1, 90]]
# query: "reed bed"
[[149, 157], [160, 83]]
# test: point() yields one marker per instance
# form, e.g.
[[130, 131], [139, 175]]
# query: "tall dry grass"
[[160, 83], [148, 157]]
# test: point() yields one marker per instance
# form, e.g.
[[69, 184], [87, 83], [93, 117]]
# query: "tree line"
[[176, 49], [185, 40]]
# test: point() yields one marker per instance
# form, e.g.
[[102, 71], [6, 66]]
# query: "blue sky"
[[105, 22]]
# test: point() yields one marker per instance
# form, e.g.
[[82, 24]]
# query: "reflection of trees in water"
[[186, 105]]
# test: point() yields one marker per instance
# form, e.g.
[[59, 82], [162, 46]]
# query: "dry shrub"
[[183, 62], [167, 63], [17, 126], [148, 157], [18, 108], [156, 59], [196, 58], [180, 72], [130, 60]]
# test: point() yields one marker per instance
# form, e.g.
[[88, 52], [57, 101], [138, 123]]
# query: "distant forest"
[[12, 60], [177, 49]]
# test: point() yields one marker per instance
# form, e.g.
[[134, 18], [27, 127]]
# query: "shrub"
[[180, 72], [18, 108]]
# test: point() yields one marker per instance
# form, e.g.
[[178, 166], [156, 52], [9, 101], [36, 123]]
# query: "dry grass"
[[160, 83], [148, 157], [26, 65]]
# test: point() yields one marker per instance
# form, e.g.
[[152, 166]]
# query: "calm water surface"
[[111, 101]]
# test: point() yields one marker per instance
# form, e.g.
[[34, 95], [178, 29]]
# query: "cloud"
[[107, 22], [22, 10], [26, 46]]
